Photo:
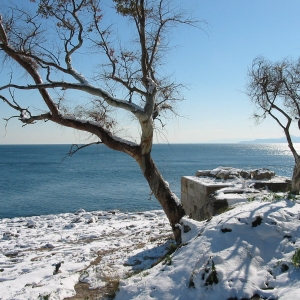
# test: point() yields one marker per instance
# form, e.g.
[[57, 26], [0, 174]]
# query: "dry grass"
[[108, 291], [83, 291], [111, 281]]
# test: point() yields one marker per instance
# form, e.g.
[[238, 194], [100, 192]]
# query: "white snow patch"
[[151, 85], [25, 115]]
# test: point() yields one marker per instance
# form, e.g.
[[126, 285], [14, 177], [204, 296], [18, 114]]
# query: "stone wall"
[[197, 196], [194, 196]]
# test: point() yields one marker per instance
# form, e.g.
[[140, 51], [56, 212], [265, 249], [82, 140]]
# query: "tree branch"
[[131, 107], [79, 147]]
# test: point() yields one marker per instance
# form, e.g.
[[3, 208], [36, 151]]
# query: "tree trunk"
[[160, 188], [296, 178]]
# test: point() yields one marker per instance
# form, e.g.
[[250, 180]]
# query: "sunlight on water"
[[275, 149]]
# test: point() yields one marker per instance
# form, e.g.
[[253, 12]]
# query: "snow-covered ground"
[[241, 253], [97, 248]]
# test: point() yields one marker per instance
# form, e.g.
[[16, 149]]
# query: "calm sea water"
[[40, 179]]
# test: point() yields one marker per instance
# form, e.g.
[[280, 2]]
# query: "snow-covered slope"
[[244, 252], [241, 253]]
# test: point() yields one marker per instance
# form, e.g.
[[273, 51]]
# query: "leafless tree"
[[274, 88], [49, 43]]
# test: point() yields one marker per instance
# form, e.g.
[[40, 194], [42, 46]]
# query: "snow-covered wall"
[[197, 191], [194, 197]]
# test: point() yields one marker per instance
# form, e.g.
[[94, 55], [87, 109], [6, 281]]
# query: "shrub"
[[296, 258]]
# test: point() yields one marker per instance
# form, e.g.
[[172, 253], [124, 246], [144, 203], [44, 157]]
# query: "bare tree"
[[48, 45], [274, 88]]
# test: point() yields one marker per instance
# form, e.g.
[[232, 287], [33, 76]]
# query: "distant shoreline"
[[295, 139]]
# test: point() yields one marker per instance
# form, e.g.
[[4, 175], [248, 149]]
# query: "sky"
[[212, 62]]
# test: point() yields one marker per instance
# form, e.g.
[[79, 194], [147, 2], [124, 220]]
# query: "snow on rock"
[[31, 224], [230, 173], [238, 194], [79, 211]]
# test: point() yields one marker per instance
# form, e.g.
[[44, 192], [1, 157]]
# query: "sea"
[[43, 179]]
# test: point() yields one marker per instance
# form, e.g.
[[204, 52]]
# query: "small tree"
[[274, 88], [126, 75]]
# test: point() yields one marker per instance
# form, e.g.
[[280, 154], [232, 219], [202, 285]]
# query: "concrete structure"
[[198, 193], [194, 196]]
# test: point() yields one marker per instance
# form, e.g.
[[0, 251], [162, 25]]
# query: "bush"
[[296, 258]]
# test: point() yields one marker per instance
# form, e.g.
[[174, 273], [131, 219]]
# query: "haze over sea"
[[41, 179]]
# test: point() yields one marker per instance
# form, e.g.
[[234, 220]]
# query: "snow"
[[151, 85], [243, 252], [25, 115], [31, 247], [240, 193], [248, 260], [119, 139]]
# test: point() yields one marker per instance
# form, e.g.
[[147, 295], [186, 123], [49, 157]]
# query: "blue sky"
[[213, 64]]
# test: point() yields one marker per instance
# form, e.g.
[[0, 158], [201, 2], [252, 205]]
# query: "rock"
[[70, 226], [284, 268], [88, 218], [79, 211], [77, 220], [203, 173], [31, 224], [49, 246], [186, 228], [260, 174], [57, 270], [257, 221], [245, 174], [215, 171], [7, 235], [135, 262], [235, 172], [91, 220], [11, 253], [223, 174]]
